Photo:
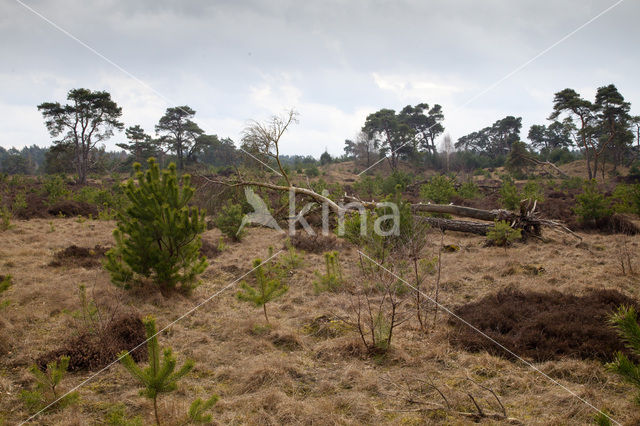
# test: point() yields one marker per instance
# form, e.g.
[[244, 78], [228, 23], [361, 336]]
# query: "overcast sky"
[[333, 61]]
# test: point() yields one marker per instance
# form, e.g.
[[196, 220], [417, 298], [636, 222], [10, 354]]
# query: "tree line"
[[600, 132], [90, 118]]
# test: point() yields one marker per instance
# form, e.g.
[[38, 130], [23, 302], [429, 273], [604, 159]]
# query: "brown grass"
[[303, 369]]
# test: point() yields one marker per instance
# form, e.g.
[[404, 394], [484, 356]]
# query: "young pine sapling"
[[626, 322], [47, 394], [331, 280], [159, 377], [265, 289], [197, 410]]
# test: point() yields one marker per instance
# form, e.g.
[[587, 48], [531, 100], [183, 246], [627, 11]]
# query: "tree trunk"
[[457, 225], [471, 212], [155, 410]]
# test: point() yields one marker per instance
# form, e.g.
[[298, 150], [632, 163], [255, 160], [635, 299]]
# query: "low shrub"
[[533, 191], [47, 394], [439, 190], [265, 288], [502, 234], [55, 188], [101, 331], [229, 221], [468, 190], [312, 171], [92, 351], [510, 197], [541, 326], [71, 208], [291, 259], [591, 205], [397, 181], [368, 187], [79, 256], [317, 243], [626, 199], [331, 280], [5, 217]]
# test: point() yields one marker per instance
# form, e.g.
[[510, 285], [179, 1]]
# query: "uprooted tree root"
[[79, 256], [92, 350], [542, 326]]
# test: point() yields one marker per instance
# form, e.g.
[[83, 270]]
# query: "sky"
[[333, 61]]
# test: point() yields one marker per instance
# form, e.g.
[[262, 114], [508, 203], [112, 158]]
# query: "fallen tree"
[[264, 138], [526, 219]]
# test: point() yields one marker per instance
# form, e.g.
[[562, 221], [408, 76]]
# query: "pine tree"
[[198, 407], [47, 392], [265, 289], [159, 377], [158, 236], [626, 321], [332, 278]]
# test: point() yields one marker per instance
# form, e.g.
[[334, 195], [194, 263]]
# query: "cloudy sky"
[[334, 61]]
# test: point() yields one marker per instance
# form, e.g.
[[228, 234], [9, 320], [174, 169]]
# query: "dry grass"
[[301, 369]]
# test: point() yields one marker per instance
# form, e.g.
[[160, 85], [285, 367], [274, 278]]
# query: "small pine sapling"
[[199, 407], [47, 394], [331, 280], [626, 322], [229, 221], [292, 259], [265, 289], [159, 377], [117, 416], [503, 235], [592, 205], [510, 197], [440, 189]]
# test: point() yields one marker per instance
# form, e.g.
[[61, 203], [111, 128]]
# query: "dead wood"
[[526, 219]]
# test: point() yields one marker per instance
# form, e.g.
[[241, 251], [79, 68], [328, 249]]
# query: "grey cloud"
[[212, 56]]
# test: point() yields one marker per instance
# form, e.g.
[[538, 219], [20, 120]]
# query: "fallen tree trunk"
[[526, 220], [457, 225], [463, 211]]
